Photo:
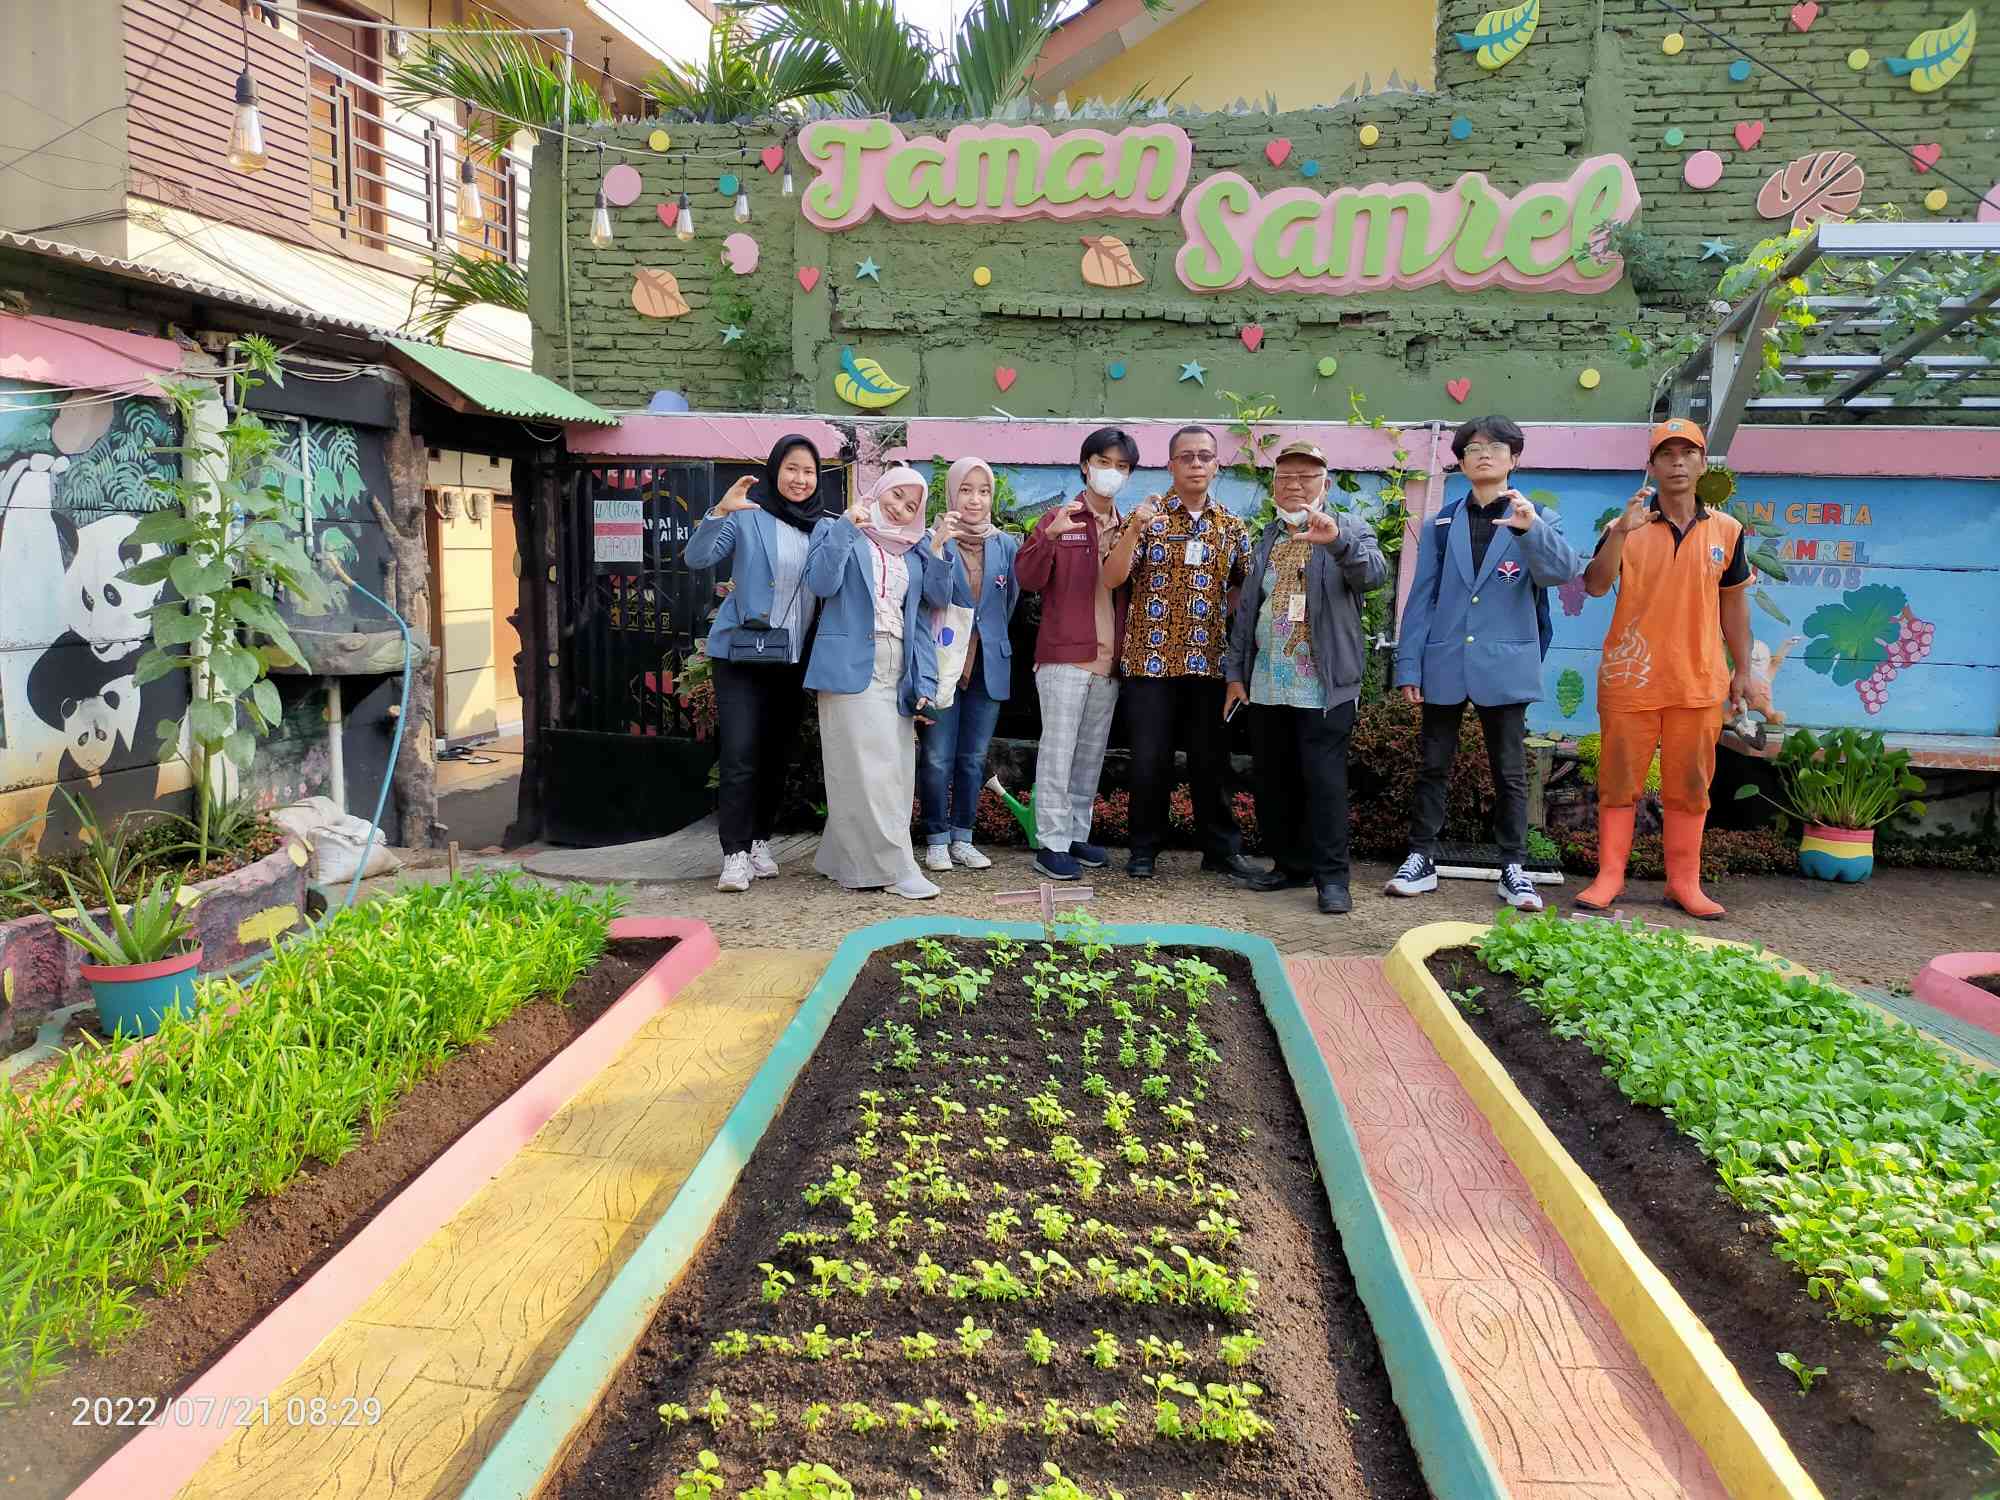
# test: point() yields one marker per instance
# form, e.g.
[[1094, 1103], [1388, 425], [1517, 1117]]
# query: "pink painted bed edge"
[[1941, 984], [161, 1459]]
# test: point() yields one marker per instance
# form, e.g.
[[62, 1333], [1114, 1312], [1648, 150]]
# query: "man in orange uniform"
[[1663, 681]]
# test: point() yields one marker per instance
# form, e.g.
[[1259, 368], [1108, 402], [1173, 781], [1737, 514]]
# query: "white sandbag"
[[335, 838]]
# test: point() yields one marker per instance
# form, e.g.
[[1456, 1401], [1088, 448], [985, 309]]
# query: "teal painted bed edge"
[[1437, 1411], [1963, 1035]]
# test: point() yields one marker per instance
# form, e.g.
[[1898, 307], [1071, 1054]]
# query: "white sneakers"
[[914, 888], [761, 864], [941, 857], [735, 873]]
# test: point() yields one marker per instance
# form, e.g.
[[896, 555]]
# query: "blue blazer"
[[1479, 641], [1002, 591], [841, 571], [749, 539]]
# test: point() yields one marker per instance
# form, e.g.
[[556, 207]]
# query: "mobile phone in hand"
[[1230, 712]]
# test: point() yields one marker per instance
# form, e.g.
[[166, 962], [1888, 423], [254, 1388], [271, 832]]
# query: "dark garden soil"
[[1863, 1432], [283, 1240], [1987, 982], [1337, 1431]]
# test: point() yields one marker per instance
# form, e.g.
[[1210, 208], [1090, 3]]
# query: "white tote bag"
[[951, 628]]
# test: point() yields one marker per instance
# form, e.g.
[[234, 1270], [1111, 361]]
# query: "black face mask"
[[805, 515]]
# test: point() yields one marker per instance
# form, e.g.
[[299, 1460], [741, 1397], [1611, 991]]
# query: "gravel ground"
[[1878, 933]]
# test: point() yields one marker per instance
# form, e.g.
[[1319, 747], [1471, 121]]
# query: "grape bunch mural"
[[1866, 639]]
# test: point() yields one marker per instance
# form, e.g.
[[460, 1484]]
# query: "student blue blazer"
[[997, 598], [1472, 636], [840, 569], [749, 537]]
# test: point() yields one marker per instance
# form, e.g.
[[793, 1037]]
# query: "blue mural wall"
[[1887, 615]]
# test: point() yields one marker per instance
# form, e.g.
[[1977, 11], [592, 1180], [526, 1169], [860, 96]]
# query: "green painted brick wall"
[[1593, 80]]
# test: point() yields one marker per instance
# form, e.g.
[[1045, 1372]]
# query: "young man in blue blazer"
[[1472, 632]]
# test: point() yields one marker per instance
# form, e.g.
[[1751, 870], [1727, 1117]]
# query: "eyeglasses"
[[1306, 478], [1202, 458], [1477, 450]]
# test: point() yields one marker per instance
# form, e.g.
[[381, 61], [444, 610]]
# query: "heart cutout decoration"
[[1252, 335], [1749, 133], [669, 212], [808, 277], [1804, 15], [1458, 390], [1926, 156], [773, 157], [1005, 376], [1276, 151]]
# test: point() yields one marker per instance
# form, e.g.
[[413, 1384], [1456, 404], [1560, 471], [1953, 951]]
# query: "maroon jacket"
[[1064, 571]]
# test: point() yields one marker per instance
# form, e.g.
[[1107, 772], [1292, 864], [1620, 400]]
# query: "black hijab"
[[803, 516]]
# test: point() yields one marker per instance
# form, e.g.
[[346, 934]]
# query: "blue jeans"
[[951, 763]]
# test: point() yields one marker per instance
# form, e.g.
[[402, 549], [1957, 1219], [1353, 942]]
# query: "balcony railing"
[[390, 178]]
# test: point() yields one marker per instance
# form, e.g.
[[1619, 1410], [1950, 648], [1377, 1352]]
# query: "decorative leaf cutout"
[[1107, 261], [657, 294], [1501, 34], [1817, 186], [864, 383], [1937, 56]]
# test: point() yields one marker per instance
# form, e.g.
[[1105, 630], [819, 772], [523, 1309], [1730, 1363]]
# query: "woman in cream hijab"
[[952, 758], [874, 666]]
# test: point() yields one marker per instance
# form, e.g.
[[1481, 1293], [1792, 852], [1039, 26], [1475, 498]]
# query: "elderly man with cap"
[[1663, 681], [1296, 656]]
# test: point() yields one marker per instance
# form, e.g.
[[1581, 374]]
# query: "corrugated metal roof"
[[503, 390], [133, 271]]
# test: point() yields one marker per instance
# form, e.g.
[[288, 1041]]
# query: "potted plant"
[[1841, 787], [145, 961]]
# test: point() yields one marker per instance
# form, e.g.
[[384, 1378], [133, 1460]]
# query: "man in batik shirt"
[[1184, 556]]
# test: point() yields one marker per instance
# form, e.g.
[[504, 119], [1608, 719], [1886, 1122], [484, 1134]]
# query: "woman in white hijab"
[[874, 666]]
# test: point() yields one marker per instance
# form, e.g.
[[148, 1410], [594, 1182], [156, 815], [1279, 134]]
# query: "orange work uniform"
[[1664, 677]]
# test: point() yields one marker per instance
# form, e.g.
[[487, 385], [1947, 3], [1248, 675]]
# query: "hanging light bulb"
[[743, 208], [684, 225], [471, 202], [246, 135], [600, 222], [787, 189]]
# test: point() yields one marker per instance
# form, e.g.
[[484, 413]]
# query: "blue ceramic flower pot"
[[132, 998]]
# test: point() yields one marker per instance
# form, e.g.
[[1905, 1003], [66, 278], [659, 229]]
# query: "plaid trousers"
[[1076, 724]]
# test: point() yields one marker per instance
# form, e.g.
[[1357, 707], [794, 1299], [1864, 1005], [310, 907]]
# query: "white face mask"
[[1296, 518], [1106, 482]]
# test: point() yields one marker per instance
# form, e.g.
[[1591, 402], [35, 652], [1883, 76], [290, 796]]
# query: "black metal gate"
[[624, 756]]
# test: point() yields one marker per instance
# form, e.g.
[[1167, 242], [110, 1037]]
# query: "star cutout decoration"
[[1717, 250], [731, 334], [1192, 370], [869, 269]]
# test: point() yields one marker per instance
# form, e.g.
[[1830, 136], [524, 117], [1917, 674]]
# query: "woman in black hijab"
[[757, 643]]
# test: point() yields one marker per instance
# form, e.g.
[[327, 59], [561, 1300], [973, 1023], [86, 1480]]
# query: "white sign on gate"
[[618, 531]]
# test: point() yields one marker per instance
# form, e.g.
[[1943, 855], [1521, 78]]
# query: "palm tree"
[[457, 282], [505, 82], [739, 79]]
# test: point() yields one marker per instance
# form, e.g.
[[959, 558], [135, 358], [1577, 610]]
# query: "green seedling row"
[[111, 1188], [1873, 1153]]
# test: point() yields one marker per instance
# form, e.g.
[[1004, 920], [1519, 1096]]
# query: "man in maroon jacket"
[[1076, 652]]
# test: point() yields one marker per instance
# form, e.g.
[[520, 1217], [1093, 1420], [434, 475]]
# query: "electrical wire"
[[1979, 195]]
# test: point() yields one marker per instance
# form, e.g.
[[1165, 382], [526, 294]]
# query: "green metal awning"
[[466, 382]]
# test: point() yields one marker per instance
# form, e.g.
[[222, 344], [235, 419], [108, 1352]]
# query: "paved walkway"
[[1565, 1405], [454, 1341]]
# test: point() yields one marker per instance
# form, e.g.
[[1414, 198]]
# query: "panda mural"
[[71, 629]]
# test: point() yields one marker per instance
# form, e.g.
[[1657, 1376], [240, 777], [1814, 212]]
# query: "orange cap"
[[1677, 427]]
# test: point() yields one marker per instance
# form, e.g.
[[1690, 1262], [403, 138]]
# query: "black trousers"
[[757, 711], [1302, 756], [1506, 727], [1155, 707]]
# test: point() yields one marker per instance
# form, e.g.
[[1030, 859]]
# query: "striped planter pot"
[[1837, 853]]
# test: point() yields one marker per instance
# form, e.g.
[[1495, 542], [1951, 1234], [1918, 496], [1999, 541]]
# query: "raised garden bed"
[[1965, 985], [983, 1237], [1814, 1182], [247, 900], [523, 1001]]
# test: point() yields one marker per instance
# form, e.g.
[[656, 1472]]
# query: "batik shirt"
[[1182, 571], [1284, 675]]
